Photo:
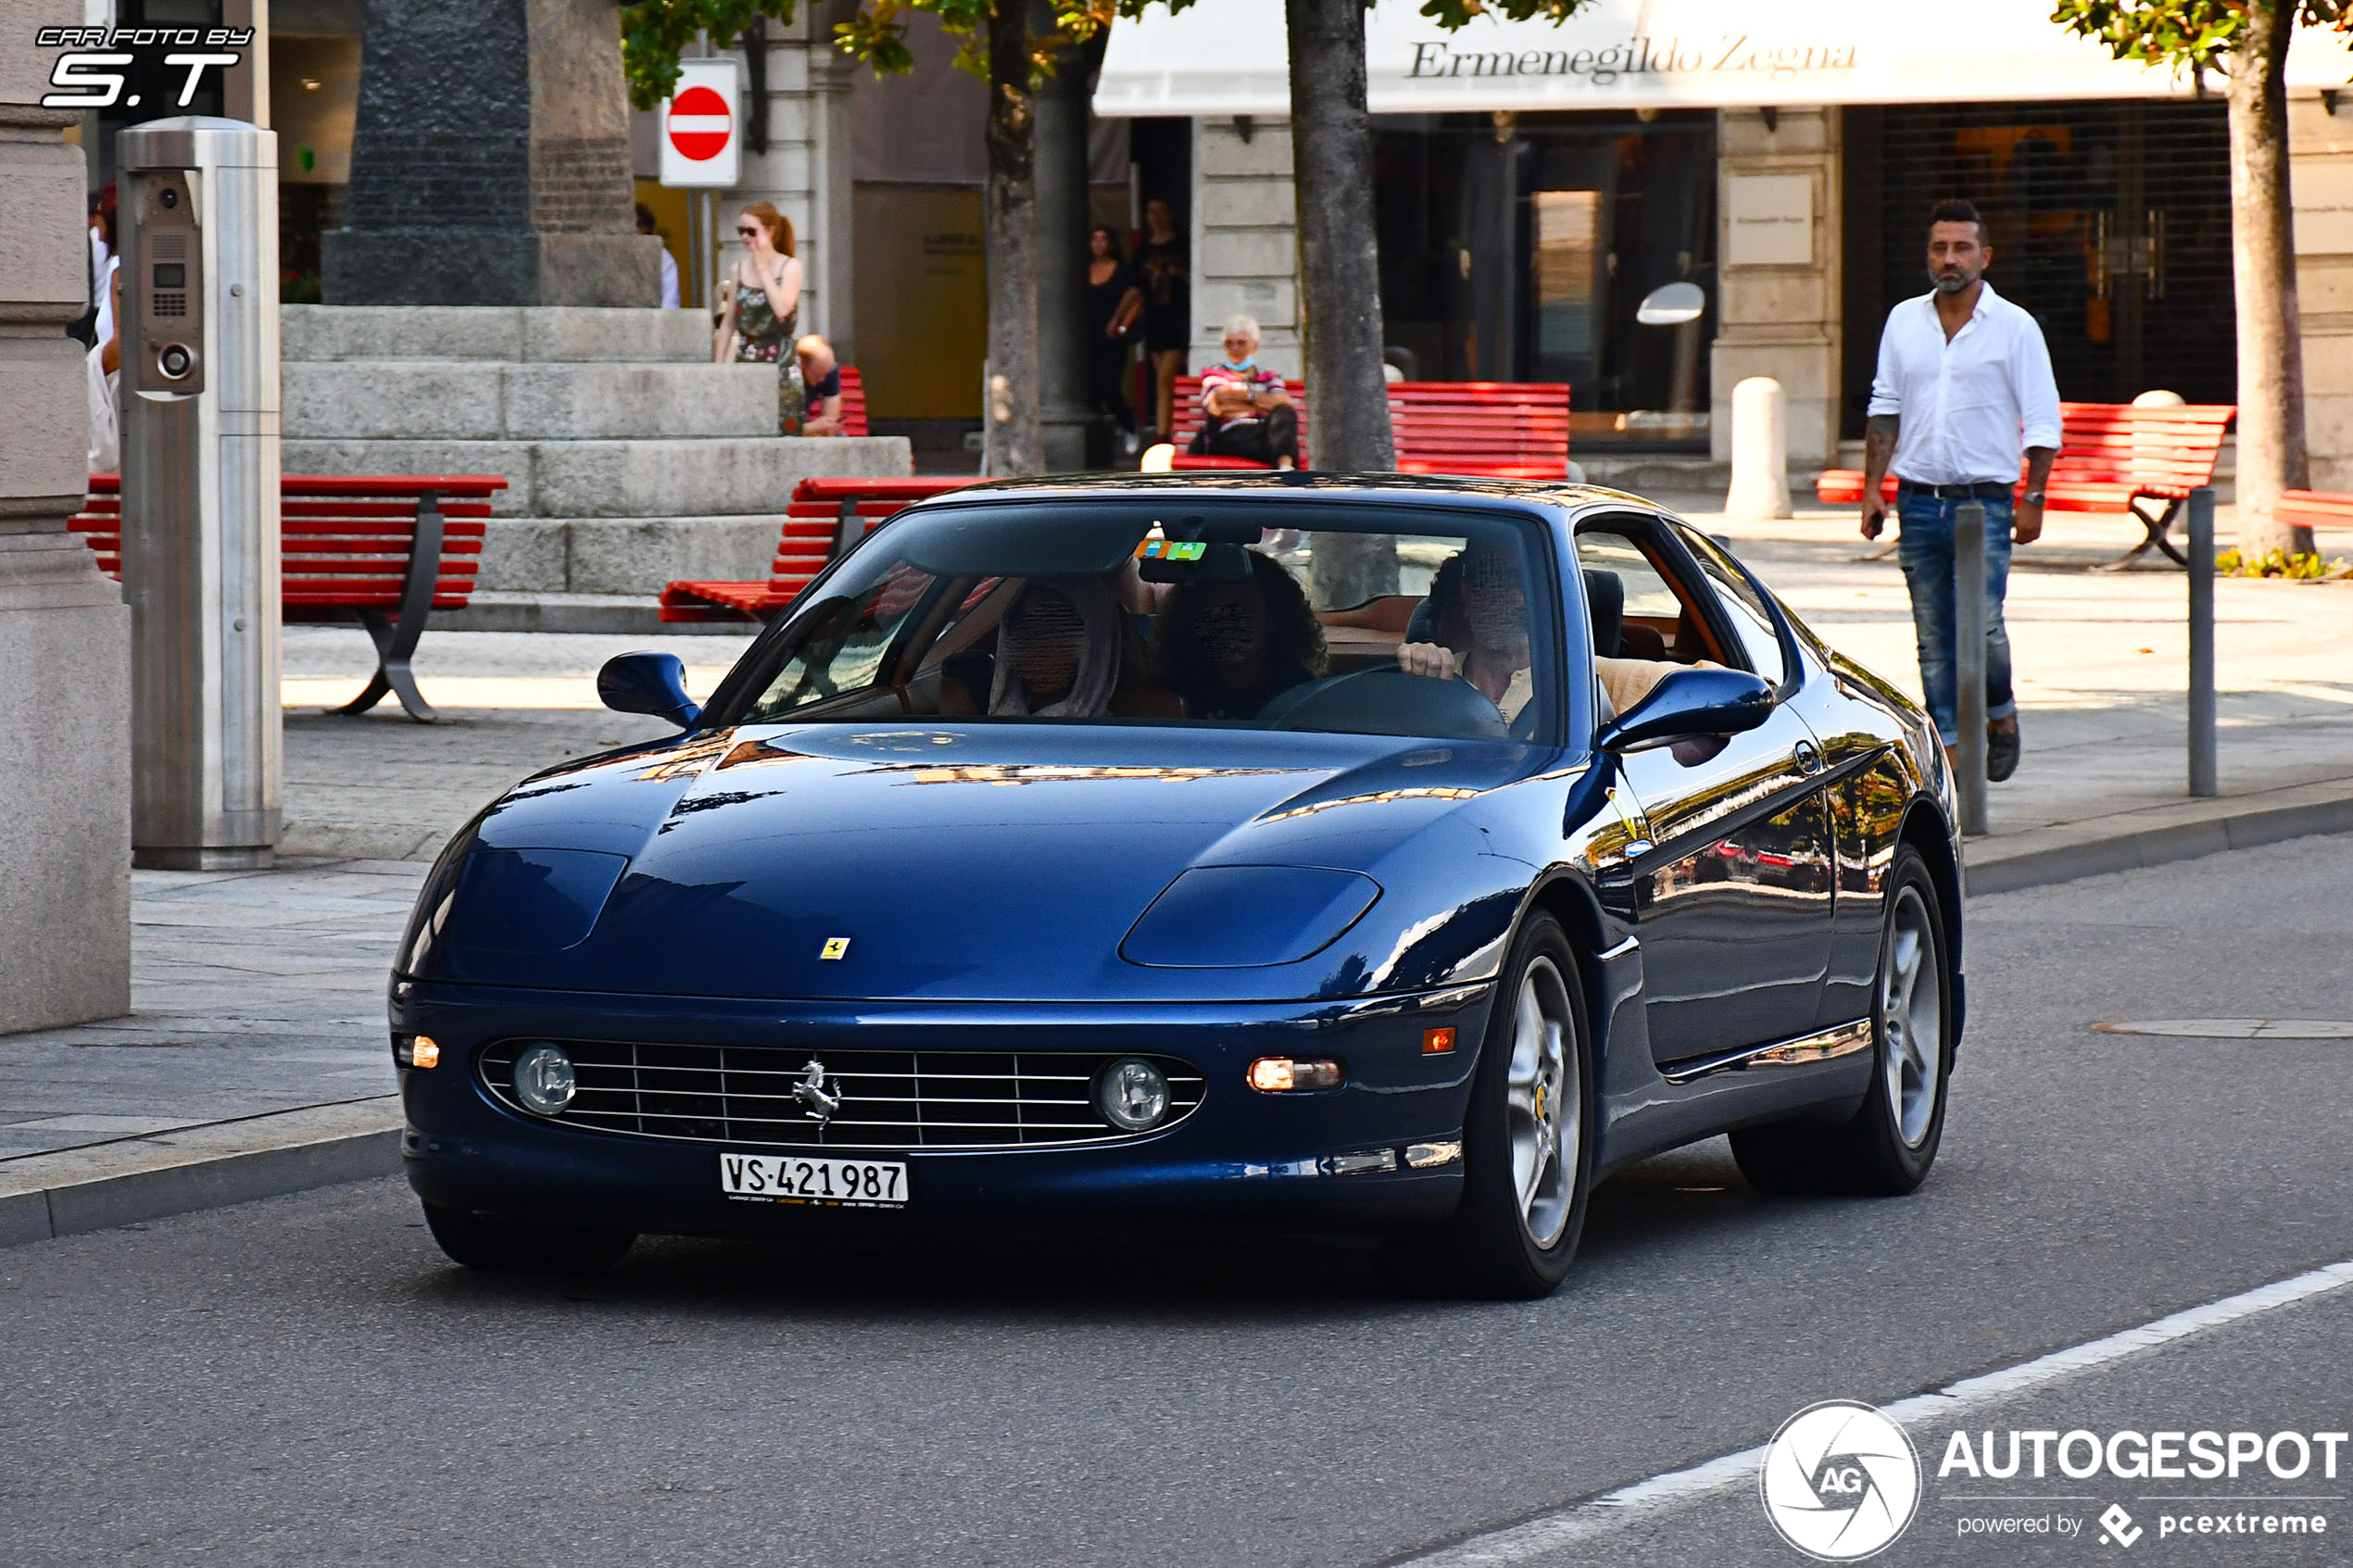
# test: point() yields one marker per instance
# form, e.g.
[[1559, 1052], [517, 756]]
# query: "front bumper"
[[1373, 1154]]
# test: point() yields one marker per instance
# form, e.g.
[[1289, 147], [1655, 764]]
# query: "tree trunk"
[[2270, 390], [1339, 270], [1012, 240]]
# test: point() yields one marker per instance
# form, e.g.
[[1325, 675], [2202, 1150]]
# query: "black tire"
[[1869, 1155], [1489, 1248], [494, 1242]]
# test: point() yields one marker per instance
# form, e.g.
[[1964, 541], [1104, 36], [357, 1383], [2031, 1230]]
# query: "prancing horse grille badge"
[[815, 1099]]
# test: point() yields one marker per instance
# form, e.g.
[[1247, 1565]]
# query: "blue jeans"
[[1925, 547]]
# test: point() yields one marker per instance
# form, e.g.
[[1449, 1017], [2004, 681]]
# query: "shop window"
[[1522, 248], [2111, 222]]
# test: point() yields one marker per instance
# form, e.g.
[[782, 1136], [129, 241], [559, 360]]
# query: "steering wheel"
[[1384, 700]]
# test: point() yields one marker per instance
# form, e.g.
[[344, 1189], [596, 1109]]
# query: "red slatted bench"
[[1494, 429], [853, 401], [824, 518], [2112, 456], [2315, 509], [384, 549]]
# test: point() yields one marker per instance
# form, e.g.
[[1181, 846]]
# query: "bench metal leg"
[[2156, 528], [397, 640]]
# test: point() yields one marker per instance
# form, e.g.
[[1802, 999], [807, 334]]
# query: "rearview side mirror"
[[1689, 702], [648, 682]]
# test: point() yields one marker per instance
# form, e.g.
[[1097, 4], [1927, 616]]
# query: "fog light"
[[1133, 1095], [1280, 1074], [418, 1051], [544, 1080]]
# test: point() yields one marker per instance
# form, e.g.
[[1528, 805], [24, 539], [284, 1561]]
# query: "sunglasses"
[[746, 229]]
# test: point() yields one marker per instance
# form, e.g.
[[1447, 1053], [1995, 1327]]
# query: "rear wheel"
[[487, 1241], [1887, 1146], [1527, 1157]]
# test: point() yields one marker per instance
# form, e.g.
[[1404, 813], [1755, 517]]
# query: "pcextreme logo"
[[1840, 1481]]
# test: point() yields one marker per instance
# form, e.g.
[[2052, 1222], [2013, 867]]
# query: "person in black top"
[[820, 382], [1167, 279], [1229, 648], [1114, 301]]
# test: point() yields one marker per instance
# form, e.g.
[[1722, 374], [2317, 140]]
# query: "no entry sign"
[[702, 132]]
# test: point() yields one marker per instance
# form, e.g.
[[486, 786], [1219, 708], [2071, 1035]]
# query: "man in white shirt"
[[1964, 383]]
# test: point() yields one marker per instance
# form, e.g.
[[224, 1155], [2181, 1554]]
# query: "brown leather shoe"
[[2001, 750]]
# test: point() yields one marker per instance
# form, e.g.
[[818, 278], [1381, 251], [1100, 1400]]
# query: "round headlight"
[[1133, 1095], [544, 1080]]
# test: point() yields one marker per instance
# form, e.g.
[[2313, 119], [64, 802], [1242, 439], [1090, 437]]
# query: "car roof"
[[1410, 488]]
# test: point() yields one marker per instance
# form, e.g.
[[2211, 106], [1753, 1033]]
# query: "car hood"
[[985, 862]]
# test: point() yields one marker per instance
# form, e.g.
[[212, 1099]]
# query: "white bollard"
[[1760, 451]]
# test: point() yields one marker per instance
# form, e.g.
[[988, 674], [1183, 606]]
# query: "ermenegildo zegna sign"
[[1229, 56], [1636, 56]]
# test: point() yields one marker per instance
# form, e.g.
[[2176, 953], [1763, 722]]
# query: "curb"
[[2157, 836], [102, 1186]]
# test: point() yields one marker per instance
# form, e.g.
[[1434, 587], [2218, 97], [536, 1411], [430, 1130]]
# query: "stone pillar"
[[1065, 408], [1779, 259], [1245, 239], [2320, 176], [65, 634], [490, 165]]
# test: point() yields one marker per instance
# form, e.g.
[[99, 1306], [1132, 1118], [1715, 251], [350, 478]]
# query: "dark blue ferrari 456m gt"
[[1373, 855]]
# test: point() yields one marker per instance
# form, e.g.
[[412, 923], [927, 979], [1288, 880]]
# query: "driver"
[[1229, 648], [1478, 613]]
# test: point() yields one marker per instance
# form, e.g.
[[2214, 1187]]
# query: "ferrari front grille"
[[755, 1096]]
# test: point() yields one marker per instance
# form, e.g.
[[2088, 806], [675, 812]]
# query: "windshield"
[[1323, 616]]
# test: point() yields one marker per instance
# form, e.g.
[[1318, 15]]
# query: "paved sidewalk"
[[256, 1059]]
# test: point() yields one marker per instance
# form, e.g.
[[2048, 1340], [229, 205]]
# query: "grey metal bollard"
[[2202, 738], [1969, 660]]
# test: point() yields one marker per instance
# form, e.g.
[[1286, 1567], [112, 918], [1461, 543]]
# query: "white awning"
[[1229, 56]]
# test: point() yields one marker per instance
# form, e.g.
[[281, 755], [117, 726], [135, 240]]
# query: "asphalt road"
[[305, 1381]]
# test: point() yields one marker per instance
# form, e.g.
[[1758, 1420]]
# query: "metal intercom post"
[[198, 210]]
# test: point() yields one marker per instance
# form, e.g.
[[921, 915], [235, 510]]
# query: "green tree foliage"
[[2198, 34], [653, 32]]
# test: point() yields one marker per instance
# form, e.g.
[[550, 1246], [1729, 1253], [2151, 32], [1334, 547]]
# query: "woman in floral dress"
[[760, 308]]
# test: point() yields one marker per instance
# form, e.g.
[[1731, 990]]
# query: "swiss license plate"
[[792, 1178]]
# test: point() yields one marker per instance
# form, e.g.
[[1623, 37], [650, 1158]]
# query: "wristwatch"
[[2032, 498]]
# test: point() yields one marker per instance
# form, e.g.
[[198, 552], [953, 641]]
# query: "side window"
[[1744, 608]]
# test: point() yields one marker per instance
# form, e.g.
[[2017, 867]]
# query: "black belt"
[[1984, 490]]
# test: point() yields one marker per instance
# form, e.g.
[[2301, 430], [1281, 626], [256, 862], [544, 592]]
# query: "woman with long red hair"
[[760, 308]]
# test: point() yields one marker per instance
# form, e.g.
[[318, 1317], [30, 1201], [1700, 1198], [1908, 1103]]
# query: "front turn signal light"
[[1437, 1042], [1280, 1074], [420, 1050]]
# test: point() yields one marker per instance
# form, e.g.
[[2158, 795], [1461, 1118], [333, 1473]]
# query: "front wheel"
[[1885, 1149], [496, 1242], [1527, 1147]]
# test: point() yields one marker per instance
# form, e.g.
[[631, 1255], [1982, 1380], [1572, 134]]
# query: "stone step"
[[555, 333], [625, 614], [727, 476], [625, 555], [411, 400]]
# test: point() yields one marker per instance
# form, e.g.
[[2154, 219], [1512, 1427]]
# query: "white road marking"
[[1582, 1522]]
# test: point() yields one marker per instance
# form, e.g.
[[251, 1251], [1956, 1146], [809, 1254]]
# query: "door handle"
[[1809, 760]]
